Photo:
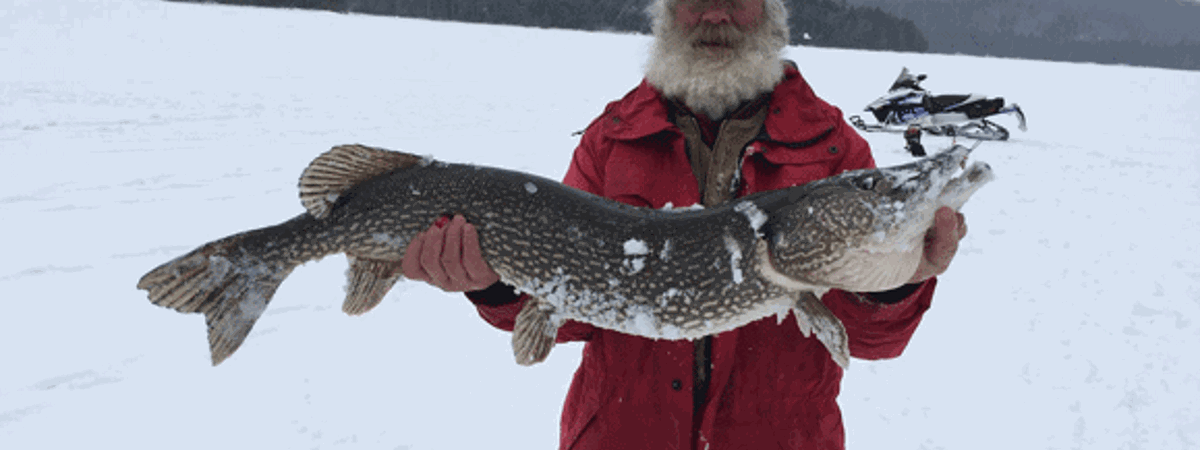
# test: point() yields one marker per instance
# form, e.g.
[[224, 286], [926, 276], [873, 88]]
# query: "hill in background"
[[820, 23], [1157, 33]]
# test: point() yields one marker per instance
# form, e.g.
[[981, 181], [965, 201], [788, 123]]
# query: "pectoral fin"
[[534, 332], [367, 281], [814, 318]]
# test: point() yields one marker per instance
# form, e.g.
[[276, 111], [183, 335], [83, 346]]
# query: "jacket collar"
[[643, 112], [795, 116]]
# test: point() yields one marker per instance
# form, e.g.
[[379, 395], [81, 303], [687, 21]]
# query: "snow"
[[672, 208], [134, 131], [735, 258], [389, 240], [641, 321], [755, 216], [636, 247], [633, 265], [530, 187]]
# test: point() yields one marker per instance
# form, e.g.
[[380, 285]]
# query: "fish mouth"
[[925, 179], [924, 186], [962, 180]]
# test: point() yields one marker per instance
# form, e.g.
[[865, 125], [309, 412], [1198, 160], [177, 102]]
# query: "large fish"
[[660, 273]]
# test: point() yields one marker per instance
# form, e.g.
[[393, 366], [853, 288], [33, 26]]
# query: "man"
[[719, 115], [912, 141]]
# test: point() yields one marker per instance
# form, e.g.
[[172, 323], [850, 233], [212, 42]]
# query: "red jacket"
[[770, 386]]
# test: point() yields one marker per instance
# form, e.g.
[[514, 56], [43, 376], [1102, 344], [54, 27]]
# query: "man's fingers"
[[452, 258], [941, 254], [447, 255], [411, 264], [948, 229], [941, 244], [477, 269], [431, 256]]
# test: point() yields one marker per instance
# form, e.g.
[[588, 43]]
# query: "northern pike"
[[670, 273]]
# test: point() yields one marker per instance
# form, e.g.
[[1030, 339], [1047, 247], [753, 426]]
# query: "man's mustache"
[[717, 34]]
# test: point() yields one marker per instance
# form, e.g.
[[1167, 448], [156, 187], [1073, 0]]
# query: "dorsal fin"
[[337, 170]]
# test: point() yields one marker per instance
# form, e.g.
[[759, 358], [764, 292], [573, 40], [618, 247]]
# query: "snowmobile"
[[907, 104]]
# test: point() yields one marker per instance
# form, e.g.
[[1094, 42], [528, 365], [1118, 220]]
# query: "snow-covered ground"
[[132, 131]]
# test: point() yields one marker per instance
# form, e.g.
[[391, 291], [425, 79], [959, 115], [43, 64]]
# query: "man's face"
[[716, 54], [745, 15], [710, 21]]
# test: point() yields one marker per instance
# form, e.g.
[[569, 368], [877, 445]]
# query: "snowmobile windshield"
[[907, 80]]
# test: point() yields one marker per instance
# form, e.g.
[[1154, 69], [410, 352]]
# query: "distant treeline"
[[821, 23], [1144, 33], [1181, 55], [833, 23]]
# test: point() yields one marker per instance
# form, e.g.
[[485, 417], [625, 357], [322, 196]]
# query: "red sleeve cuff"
[[495, 295], [497, 304], [878, 330]]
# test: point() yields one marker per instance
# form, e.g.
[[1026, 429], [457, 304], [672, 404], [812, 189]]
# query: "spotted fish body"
[[658, 273]]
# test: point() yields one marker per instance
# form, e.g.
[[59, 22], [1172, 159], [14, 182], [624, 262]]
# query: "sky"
[[133, 131]]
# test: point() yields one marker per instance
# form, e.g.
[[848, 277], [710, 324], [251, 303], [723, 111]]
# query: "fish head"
[[863, 230]]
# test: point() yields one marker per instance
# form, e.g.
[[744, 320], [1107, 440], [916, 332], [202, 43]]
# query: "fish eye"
[[866, 184]]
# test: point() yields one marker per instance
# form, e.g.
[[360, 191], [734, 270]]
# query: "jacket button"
[[616, 120], [676, 384], [833, 150], [776, 111]]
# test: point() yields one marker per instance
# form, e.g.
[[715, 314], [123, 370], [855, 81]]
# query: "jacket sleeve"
[[879, 325], [499, 304], [880, 330]]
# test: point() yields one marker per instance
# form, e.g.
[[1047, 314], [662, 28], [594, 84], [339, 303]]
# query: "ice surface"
[[133, 131]]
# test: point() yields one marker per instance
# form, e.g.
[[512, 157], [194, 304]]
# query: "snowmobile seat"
[[939, 103]]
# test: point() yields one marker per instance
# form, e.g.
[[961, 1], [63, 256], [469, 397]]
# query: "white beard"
[[715, 85]]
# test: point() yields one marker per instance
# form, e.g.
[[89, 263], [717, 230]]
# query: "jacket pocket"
[[774, 166]]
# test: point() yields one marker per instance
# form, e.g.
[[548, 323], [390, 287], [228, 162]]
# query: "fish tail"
[[227, 282]]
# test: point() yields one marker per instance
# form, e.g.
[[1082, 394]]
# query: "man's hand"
[[447, 256], [941, 243]]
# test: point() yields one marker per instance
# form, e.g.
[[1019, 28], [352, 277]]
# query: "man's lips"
[[712, 45]]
